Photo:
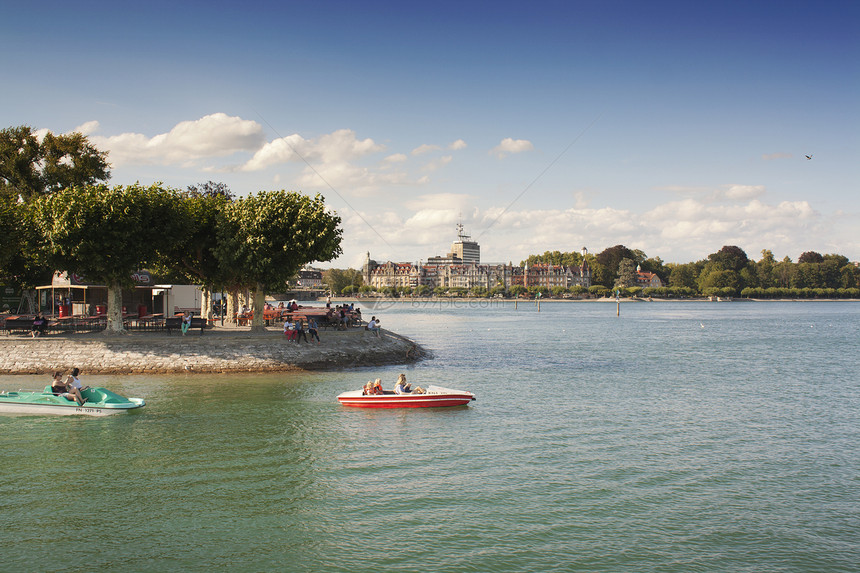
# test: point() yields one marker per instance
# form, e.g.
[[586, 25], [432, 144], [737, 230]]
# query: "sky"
[[671, 127]]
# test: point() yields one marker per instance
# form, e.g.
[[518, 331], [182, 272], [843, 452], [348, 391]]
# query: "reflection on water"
[[679, 436]]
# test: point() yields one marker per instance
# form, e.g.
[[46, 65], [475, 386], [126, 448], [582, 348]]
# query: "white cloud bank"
[[215, 135], [509, 146]]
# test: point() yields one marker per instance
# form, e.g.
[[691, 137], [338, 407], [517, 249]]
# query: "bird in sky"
[[808, 157]]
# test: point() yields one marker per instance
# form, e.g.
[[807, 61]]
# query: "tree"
[[30, 168], [683, 275], [338, 279], [211, 189], [626, 274], [810, 257], [610, 259], [266, 239], [730, 258], [106, 234], [517, 290]]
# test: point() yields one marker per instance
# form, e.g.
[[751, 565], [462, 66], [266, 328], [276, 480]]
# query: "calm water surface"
[[678, 437]]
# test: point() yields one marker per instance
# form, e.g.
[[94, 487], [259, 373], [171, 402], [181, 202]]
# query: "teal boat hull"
[[100, 402]]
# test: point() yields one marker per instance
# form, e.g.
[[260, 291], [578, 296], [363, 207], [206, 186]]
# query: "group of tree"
[[57, 213], [727, 272]]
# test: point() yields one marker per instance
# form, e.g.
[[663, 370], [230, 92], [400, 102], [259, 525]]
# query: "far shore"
[[368, 300]]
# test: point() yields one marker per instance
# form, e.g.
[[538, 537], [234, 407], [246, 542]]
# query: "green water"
[[678, 437]]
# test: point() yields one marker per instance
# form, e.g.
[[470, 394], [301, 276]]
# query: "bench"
[[16, 324], [176, 322]]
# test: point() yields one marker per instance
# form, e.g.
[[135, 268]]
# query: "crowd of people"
[[297, 331], [374, 387]]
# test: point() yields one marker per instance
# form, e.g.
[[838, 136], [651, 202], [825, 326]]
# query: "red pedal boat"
[[435, 397]]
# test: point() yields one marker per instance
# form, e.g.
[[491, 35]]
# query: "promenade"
[[220, 349]]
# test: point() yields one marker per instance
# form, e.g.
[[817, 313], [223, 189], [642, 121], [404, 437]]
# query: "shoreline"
[[423, 300], [219, 350]]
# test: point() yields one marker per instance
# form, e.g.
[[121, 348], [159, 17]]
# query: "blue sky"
[[670, 127]]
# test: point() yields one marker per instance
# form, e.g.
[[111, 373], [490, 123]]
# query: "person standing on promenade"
[[312, 329]]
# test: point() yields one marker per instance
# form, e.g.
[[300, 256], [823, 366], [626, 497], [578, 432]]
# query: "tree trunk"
[[206, 303], [232, 308], [259, 302], [114, 309]]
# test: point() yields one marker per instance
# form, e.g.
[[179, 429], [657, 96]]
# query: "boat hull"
[[100, 402], [436, 397]]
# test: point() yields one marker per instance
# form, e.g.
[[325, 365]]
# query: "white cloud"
[[215, 135], [455, 201], [677, 231], [338, 147], [438, 163], [396, 158], [87, 128], [457, 145], [426, 148], [741, 192], [508, 146]]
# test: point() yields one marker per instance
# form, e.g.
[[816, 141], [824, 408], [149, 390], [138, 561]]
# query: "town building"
[[645, 279], [461, 268], [465, 248], [309, 278]]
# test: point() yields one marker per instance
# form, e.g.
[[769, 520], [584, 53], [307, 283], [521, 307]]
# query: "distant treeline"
[[727, 272]]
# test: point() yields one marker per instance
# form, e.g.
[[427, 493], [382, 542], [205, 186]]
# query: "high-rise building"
[[465, 248]]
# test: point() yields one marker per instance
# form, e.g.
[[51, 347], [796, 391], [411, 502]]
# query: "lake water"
[[684, 436]]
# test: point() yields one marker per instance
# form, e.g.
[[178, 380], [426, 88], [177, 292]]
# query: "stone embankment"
[[218, 350]]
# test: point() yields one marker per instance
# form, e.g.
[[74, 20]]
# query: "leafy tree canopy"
[[730, 258], [106, 233], [338, 279], [810, 257], [30, 167], [611, 257], [266, 238]]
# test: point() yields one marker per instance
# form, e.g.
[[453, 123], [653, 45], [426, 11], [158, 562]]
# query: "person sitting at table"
[[289, 329], [39, 326]]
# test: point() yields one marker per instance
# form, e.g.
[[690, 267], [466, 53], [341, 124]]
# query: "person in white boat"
[[75, 387], [403, 387]]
